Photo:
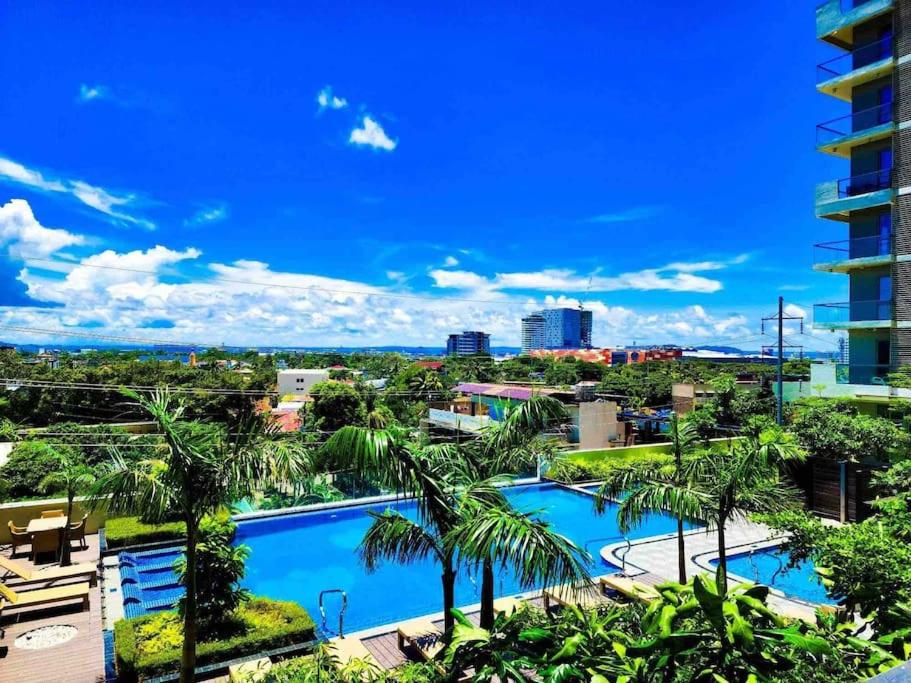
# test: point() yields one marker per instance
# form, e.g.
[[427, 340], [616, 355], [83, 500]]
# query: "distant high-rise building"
[[469, 343], [557, 328]]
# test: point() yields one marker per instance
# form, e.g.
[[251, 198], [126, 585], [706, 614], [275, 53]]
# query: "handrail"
[[875, 114], [341, 613], [610, 538], [824, 72]]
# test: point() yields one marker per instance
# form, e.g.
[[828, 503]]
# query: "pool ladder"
[[341, 612], [611, 538]]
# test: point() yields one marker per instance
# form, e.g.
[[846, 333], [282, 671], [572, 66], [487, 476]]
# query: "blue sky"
[[364, 173]]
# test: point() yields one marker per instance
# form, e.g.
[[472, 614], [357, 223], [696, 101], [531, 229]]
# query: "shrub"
[[220, 567], [28, 464], [149, 646], [598, 464], [123, 531]]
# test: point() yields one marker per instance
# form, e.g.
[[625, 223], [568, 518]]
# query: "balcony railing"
[[852, 311], [857, 122], [865, 183], [856, 59], [861, 374], [848, 5], [845, 250]]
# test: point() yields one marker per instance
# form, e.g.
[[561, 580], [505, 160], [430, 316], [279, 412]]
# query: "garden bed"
[[150, 646], [120, 532]]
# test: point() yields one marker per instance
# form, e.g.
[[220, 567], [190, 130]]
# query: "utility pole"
[[779, 319]]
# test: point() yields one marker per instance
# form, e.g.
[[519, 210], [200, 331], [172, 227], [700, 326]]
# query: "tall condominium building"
[[557, 328], [870, 208], [469, 343]]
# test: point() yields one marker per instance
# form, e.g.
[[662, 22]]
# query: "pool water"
[[294, 557], [768, 567]]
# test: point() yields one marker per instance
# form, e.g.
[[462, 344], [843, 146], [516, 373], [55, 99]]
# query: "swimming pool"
[[294, 557], [768, 566]]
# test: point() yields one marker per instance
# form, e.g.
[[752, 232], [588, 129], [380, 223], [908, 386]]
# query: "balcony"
[[861, 374], [839, 76], [847, 255], [839, 136], [849, 315], [836, 19], [837, 199]]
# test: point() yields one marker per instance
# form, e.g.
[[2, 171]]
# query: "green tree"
[[744, 479], [657, 487], [28, 464], [72, 476], [336, 405], [198, 469], [564, 372]]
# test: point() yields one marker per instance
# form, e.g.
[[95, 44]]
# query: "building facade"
[[297, 383], [870, 208], [557, 328], [469, 343]]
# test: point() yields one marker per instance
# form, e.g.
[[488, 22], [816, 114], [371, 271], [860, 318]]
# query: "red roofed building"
[[430, 364], [287, 420]]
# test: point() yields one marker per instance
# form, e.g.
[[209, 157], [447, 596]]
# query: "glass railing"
[[857, 122], [852, 311], [861, 374], [845, 250], [856, 59], [865, 183]]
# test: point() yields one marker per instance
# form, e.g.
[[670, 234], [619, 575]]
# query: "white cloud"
[[677, 277], [636, 213], [92, 196], [210, 214], [372, 134], [24, 237], [326, 100], [90, 93], [396, 276], [451, 262]]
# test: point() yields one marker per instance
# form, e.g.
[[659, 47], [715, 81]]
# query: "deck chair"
[[251, 671], [44, 596], [506, 605], [350, 652], [51, 513], [86, 570], [45, 542], [586, 597], [423, 635], [77, 531], [19, 535], [630, 588]]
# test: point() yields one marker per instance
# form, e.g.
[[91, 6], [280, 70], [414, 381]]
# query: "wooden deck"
[[81, 660]]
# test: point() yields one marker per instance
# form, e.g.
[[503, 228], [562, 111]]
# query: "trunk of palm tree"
[[487, 586], [448, 596], [65, 531], [681, 551], [188, 656], [722, 554]]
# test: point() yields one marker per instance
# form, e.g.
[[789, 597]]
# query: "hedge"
[[278, 624], [123, 531]]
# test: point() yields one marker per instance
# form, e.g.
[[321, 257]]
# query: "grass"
[[124, 531]]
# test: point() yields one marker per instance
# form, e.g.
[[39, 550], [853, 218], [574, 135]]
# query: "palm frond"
[[394, 537], [517, 540], [651, 496]]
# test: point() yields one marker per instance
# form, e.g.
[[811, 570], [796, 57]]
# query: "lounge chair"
[[632, 589], [51, 513], [251, 671], [506, 605], [44, 596], [85, 570], [423, 635], [586, 597], [45, 542], [77, 531], [19, 535], [351, 652]]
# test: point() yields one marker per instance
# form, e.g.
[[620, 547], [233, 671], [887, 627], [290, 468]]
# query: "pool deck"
[[658, 555], [81, 660]]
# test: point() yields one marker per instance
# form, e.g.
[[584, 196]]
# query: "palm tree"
[[426, 384], [395, 462], [71, 477], [657, 487], [507, 447], [745, 479], [197, 469]]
